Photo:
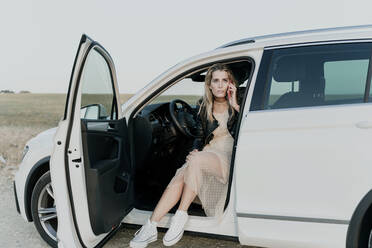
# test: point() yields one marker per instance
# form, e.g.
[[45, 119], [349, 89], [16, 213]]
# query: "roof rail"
[[253, 39], [237, 42]]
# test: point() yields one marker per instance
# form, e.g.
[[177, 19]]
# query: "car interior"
[[162, 140], [130, 165]]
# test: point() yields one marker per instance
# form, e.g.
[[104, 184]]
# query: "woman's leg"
[[170, 197], [199, 163], [187, 197]]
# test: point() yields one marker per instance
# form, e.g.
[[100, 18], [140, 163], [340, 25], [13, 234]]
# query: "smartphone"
[[228, 91]]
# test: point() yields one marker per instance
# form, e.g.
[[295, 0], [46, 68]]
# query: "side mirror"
[[94, 112]]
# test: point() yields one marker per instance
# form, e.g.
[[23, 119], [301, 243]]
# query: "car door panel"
[[96, 180], [106, 168], [302, 185]]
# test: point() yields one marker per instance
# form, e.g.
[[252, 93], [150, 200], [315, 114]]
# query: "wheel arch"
[[360, 217], [36, 172]]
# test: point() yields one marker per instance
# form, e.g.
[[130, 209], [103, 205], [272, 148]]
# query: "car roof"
[[361, 32]]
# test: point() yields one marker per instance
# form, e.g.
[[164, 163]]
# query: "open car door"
[[90, 168]]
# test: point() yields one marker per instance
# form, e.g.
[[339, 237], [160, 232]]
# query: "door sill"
[[224, 226]]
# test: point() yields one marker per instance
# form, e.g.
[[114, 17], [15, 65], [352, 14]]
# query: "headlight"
[[25, 150]]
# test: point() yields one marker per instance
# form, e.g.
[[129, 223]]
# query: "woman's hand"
[[192, 153], [232, 96]]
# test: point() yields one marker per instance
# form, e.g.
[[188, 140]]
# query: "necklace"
[[224, 102], [220, 103]]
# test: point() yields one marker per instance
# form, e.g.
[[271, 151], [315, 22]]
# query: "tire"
[[366, 235], [43, 210]]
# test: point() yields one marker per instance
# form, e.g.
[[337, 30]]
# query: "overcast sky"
[[39, 39]]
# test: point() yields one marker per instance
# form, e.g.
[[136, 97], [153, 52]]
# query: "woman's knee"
[[195, 158], [192, 163], [193, 169]]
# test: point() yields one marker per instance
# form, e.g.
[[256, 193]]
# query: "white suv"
[[301, 166]]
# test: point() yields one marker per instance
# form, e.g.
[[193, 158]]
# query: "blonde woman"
[[205, 172]]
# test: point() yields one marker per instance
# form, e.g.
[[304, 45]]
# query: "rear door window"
[[312, 76], [345, 80]]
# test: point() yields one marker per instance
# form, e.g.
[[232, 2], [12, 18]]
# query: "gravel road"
[[15, 232]]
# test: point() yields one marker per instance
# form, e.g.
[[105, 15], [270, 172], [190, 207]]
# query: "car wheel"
[[43, 210]]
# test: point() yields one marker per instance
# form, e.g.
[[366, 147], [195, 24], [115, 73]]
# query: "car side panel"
[[40, 147], [310, 164], [286, 234]]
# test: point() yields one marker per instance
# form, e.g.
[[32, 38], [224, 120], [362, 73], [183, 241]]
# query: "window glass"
[[277, 89], [312, 76], [96, 88], [345, 80], [186, 90]]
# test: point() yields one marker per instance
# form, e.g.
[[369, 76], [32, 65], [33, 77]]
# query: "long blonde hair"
[[208, 99]]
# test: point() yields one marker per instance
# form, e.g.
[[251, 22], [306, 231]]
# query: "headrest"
[[289, 69]]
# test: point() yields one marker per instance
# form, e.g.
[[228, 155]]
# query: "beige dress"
[[207, 172]]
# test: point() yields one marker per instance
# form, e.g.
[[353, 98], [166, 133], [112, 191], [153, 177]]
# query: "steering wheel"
[[183, 117]]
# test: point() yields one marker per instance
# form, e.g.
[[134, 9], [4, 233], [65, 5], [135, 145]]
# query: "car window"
[[312, 76], [279, 89], [345, 80], [186, 90], [97, 92]]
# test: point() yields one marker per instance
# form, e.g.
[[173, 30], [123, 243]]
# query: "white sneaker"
[[176, 229], [144, 236]]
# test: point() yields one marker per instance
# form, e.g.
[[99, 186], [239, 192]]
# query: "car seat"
[[309, 72]]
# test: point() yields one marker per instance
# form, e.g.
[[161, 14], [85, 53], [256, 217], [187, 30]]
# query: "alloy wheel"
[[47, 211]]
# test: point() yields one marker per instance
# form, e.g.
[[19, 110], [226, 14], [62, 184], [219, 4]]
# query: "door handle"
[[364, 124], [111, 127]]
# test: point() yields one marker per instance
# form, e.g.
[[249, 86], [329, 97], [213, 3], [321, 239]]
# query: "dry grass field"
[[22, 116]]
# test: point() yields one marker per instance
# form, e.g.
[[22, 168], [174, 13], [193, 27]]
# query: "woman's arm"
[[236, 107], [233, 97]]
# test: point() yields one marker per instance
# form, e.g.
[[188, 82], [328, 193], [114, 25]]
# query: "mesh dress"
[[207, 172]]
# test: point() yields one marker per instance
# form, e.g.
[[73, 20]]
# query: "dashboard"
[[162, 128], [155, 136]]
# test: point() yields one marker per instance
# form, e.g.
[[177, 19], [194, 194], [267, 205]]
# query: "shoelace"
[[135, 234], [142, 228]]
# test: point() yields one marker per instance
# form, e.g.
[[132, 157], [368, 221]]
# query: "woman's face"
[[219, 83]]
